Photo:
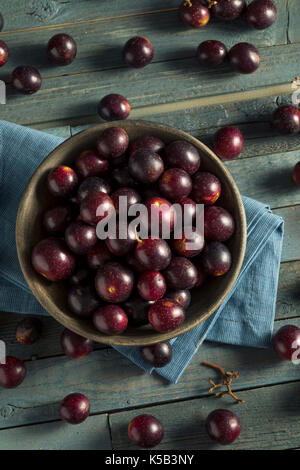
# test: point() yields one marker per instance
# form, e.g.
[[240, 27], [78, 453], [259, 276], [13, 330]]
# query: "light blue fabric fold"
[[245, 318]]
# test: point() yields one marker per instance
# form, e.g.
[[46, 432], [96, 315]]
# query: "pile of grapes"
[[121, 281]]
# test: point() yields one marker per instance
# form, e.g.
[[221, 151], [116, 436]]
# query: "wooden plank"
[[291, 216], [268, 179], [288, 299], [100, 43], [112, 382], [50, 13], [48, 345], [93, 434], [293, 29], [53, 14], [270, 420], [77, 95]]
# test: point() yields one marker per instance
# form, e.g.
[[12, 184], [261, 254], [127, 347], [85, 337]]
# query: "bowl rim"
[[121, 340]]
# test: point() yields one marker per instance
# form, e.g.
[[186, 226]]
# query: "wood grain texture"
[[93, 434], [110, 387], [47, 14], [100, 44], [270, 420], [291, 216], [63, 98]]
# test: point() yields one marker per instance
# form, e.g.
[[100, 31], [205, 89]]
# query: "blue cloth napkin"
[[245, 318]]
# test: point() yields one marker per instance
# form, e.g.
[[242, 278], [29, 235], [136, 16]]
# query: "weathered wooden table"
[[175, 90]]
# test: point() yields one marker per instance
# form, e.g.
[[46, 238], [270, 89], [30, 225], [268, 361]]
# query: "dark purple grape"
[[296, 174], [148, 142], [123, 242], [287, 119], [1, 22], [228, 9], [216, 259], [166, 315], [175, 184], [112, 142], [180, 274], [189, 209], [163, 212], [4, 53], [193, 13], [218, 224], [244, 57], [228, 142], [29, 330], [110, 320], [157, 355], [75, 408], [206, 188], [151, 285], [90, 163], [80, 277], [145, 166], [12, 373], [145, 431], [75, 346], [82, 300], [62, 181], [134, 264], [183, 297], [114, 107], [153, 253], [114, 282], [202, 276], [52, 259], [96, 207], [223, 426], [98, 255], [211, 53], [56, 219], [286, 343], [138, 52], [26, 79], [120, 162], [181, 154], [132, 196], [92, 184], [191, 236], [80, 237], [61, 49], [261, 14], [121, 177], [137, 309]]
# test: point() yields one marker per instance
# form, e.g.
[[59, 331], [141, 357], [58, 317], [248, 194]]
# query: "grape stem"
[[227, 381]]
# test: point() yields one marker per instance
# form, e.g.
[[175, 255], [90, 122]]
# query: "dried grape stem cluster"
[[227, 381]]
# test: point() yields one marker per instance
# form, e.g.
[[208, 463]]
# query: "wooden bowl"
[[52, 296]]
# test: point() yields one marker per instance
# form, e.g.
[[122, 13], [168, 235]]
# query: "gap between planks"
[[144, 111]]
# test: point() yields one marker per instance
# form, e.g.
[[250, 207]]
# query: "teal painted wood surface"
[[270, 420], [174, 90], [100, 43], [93, 434], [110, 387], [62, 98]]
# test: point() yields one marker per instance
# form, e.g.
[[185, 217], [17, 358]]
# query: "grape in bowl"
[[53, 296]]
